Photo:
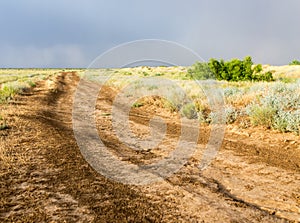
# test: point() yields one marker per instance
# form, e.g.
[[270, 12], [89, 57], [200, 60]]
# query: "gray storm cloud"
[[73, 33]]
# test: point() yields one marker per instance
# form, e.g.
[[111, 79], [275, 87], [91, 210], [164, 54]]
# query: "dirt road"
[[44, 178]]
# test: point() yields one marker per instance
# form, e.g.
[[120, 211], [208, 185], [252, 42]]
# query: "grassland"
[[274, 105], [14, 81]]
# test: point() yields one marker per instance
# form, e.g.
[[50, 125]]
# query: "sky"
[[72, 33]]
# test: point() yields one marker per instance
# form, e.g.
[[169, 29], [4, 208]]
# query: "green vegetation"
[[295, 62], [137, 104], [274, 105], [145, 73], [287, 80], [278, 108], [249, 96], [262, 115], [201, 71], [239, 70], [10, 89], [234, 70], [15, 81]]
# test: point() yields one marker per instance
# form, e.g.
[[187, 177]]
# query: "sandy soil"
[[44, 178]]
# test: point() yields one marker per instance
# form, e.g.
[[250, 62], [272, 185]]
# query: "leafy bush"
[[295, 62], [238, 70], [200, 71], [268, 76]]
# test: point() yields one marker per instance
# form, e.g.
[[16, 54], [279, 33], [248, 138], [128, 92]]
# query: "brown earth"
[[44, 178]]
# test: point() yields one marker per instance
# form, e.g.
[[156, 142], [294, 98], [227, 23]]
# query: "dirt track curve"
[[255, 177]]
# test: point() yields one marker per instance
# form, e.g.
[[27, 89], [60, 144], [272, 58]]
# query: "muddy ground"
[[44, 178]]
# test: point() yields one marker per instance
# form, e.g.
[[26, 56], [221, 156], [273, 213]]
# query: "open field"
[[44, 177]]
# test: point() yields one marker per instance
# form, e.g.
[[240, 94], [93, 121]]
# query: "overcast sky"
[[72, 33]]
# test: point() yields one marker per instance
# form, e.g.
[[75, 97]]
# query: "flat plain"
[[44, 178]]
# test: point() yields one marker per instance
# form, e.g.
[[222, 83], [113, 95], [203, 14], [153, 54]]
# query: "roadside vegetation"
[[295, 62], [233, 70], [16, 81], [254, 95]]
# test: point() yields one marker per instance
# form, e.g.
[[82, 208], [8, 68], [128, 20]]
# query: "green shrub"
[[268, 76], [295, 62], [200, 71], [145, 73], [238, 70]]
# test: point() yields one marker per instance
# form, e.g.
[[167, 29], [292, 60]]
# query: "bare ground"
[[44, 178]]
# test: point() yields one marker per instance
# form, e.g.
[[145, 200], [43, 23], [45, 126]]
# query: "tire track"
[[56, 184]]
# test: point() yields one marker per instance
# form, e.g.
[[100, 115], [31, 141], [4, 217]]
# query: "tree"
[[200, 71], [238, 70]]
